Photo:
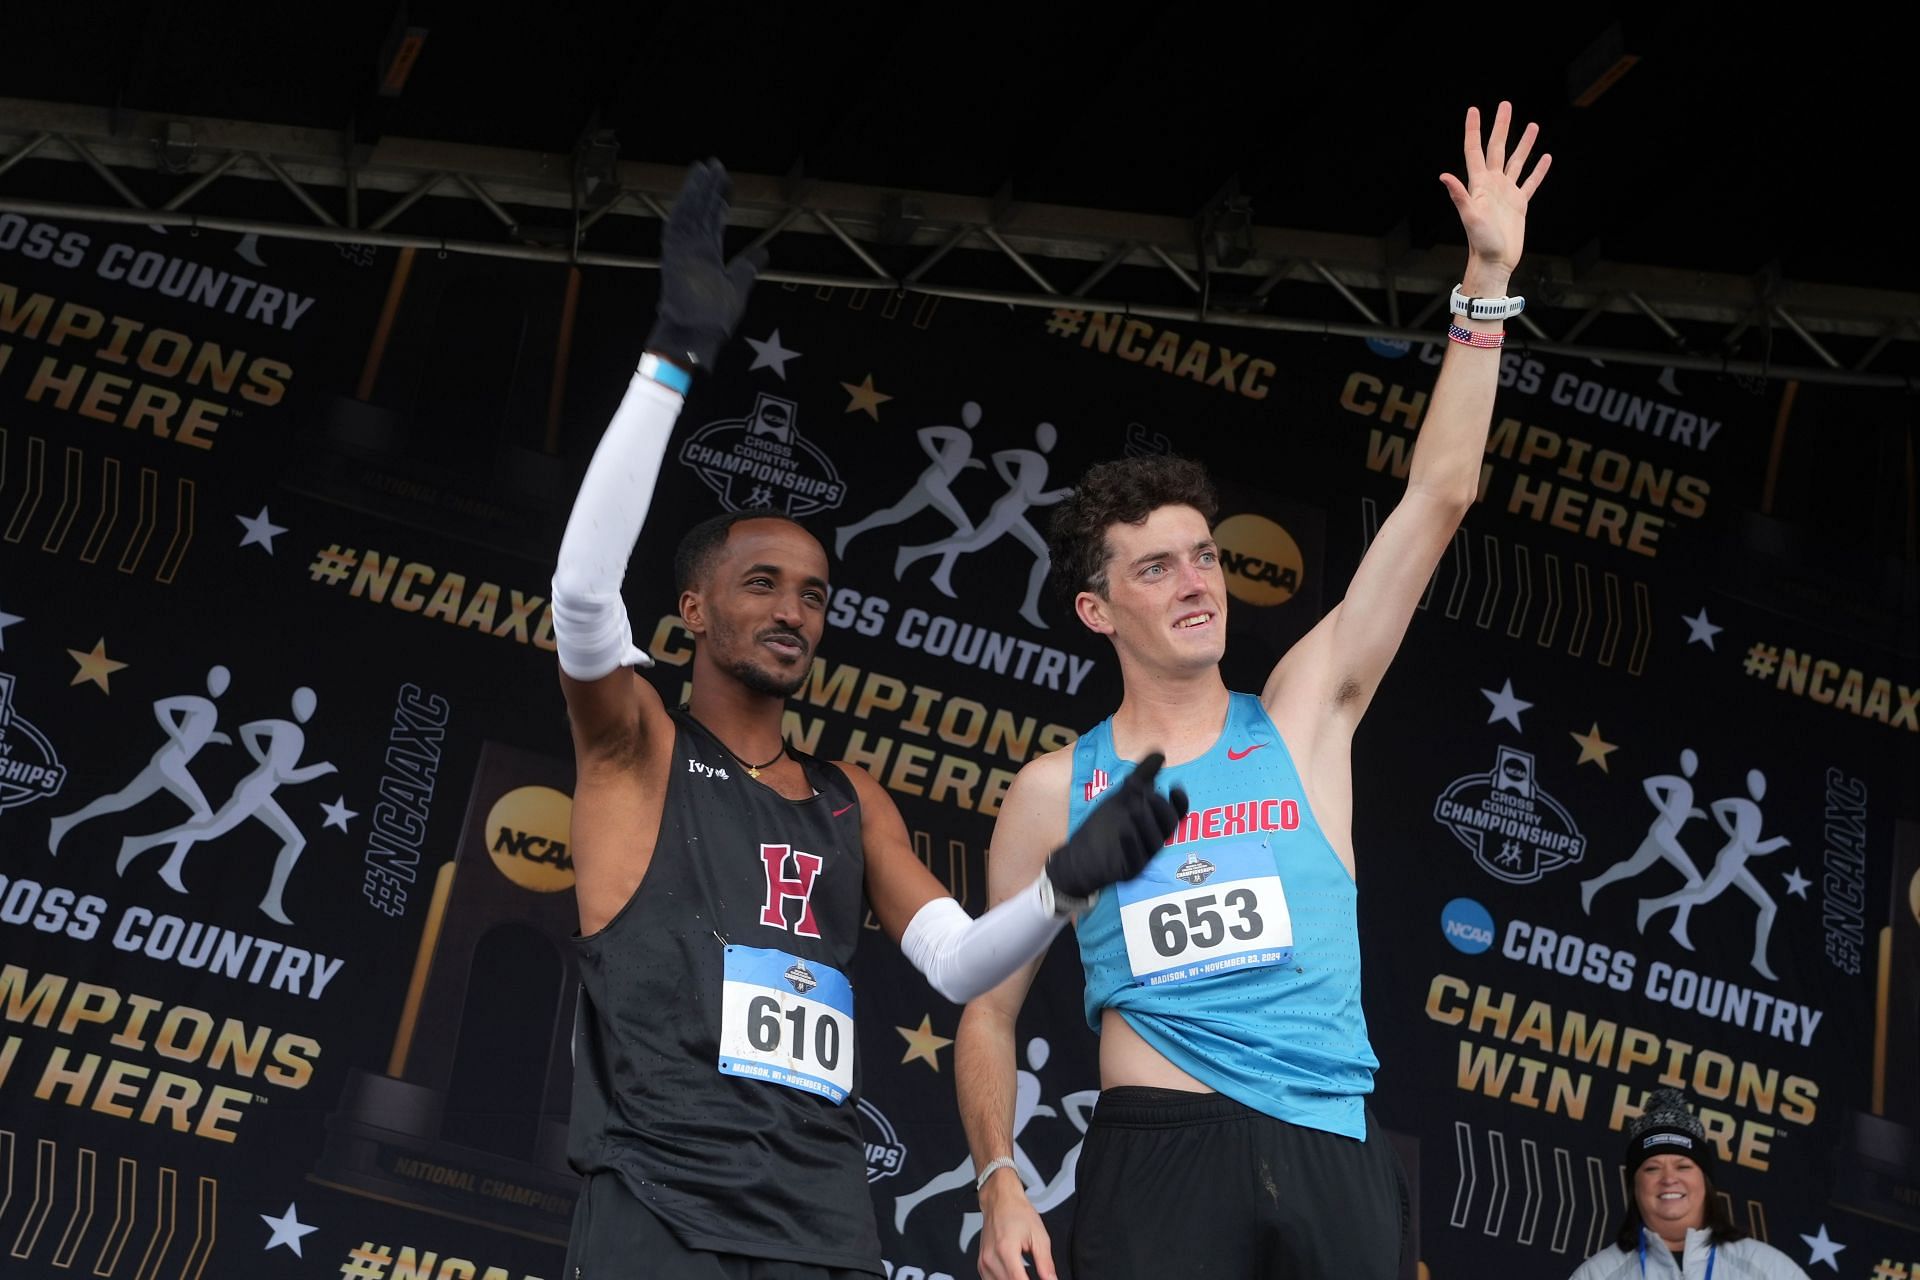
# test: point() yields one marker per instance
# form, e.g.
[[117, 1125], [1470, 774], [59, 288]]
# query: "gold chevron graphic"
[[21, 514], [83, 1198]]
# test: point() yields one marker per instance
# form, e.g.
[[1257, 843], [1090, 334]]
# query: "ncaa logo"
[[531, 827], [1260, 560], [1467, 926]]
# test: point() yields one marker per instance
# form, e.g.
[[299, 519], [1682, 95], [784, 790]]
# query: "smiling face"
[[1671, 1191], [1166, 600], [760, 606]]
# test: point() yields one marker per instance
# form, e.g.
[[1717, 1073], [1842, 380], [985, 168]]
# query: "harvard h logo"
[[781, 887]]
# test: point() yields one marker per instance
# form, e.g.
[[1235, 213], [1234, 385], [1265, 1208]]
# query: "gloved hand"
[[702, 295], [1124, 830]]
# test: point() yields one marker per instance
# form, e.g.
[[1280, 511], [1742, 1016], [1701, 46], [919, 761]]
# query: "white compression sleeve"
[[962, 957], [590, 627]]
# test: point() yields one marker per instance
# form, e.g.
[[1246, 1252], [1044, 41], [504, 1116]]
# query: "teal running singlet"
[[1236, 953]]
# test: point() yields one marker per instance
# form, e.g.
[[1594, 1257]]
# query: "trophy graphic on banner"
[[1879, 1167], [469, 1119]]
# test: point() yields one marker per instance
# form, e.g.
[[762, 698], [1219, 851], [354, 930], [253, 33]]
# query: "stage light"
[[596, 165], [1599, 66], [900, 217], [175, 148], [398, 54], [1226, 227]]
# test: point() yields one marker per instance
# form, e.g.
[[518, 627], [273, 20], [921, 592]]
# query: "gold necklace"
[[753, 770]]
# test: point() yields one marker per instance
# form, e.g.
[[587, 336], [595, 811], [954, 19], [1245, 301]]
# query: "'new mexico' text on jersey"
[[1235, 953]]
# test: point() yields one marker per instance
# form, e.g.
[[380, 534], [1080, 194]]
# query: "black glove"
[[1124, 830], [702, 296]]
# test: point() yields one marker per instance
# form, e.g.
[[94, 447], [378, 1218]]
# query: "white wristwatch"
[[1058, 904], [1485, 308]]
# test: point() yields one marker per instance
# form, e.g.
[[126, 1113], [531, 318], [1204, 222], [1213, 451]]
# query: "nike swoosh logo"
[[1242, 755], [843, 809]]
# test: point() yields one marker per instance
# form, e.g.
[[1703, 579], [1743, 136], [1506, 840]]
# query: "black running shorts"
[[1183, 1184], [615, 1237]]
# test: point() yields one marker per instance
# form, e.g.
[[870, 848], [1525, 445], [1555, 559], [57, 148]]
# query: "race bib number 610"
[[787, 1021]]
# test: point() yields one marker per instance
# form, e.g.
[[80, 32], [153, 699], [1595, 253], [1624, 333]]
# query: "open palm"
[[1492, 202]]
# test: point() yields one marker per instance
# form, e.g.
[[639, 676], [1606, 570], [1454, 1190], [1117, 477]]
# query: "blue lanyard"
[[1712, 1252]]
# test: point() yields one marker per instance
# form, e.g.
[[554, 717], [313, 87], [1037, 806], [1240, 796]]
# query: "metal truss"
[[584, 209]]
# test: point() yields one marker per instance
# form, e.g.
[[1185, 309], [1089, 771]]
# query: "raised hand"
[[1492, 202], [702, 296]]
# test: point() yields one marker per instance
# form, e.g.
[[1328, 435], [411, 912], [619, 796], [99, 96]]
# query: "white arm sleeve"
[[963, 957], [590, 627]]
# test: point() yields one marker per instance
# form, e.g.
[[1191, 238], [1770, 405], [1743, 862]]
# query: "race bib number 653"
[[787, 1021], [1206, 915]]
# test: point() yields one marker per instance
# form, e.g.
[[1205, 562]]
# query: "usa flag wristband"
[[1474, 338]]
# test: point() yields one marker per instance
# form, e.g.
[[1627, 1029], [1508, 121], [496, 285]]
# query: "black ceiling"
[[1734, 144]]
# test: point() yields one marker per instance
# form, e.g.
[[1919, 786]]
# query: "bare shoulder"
[[865, 785], [1314, 708], [882, 827], [1055, 765], [1033, 816], [1044, 778]]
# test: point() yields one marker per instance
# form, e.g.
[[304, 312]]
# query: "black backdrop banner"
[[284, 774]]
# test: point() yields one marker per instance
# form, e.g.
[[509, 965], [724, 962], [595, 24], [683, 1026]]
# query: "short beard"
[[766, 683]]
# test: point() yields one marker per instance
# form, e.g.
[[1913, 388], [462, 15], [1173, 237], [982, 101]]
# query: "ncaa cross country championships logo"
[[762, 460], [1517, 832], [886, 1155], [29, 769]]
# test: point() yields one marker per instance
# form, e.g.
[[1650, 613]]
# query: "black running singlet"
[[714, 1052]]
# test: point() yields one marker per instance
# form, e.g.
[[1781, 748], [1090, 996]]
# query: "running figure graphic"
[[188, 722], [277, 745], [1046, 1193], [1023, 471], [951, 452], [1740, 818], [1673, 797]]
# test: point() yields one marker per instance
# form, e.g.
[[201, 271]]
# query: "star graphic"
[[288, 1230], [1797, 883], [1505, 705], [863, 398], [338, 813], [260, 530], [1823, 1249], [771, 355], [1699, 630], [1593, 747], [7, 620], [923, 1044], [95, 665]]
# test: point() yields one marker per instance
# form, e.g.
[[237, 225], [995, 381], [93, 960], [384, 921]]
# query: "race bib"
[[787, 1021], [1207, 915]]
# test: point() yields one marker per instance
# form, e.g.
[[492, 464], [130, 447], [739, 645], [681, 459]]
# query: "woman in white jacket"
[[1675, 1225]]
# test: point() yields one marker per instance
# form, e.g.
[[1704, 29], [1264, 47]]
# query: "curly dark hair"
[[1125, 491], [700, 545]]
